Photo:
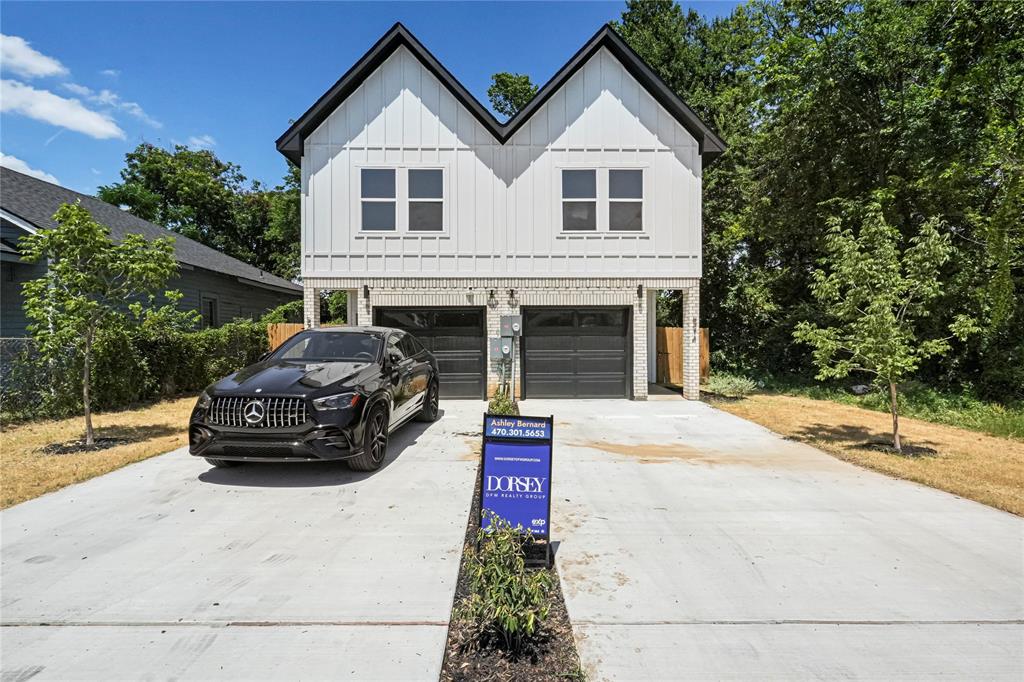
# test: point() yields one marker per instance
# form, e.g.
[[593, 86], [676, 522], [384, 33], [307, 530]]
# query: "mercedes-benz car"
[[325, 394]]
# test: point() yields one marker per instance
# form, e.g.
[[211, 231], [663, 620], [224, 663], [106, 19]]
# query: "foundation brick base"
[[511, 294]]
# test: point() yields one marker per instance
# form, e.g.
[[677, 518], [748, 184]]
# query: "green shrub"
[[507, 604], [729, 385], [160, 357], [502, 403], [286, 312]]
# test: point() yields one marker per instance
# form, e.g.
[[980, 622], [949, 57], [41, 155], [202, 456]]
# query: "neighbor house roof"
[[34, 201], [291, 142]]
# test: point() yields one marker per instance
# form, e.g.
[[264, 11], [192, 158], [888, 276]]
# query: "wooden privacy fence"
[[669, 346], [280, 332]]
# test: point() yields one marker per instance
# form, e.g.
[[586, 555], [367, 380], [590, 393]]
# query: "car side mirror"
[[265, 355]]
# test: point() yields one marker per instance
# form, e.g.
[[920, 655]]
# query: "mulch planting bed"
[[550, 657], [72, 447]]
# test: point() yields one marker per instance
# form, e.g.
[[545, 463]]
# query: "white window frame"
[[401, 201], [603, 201], [641, 200], [378, 200]]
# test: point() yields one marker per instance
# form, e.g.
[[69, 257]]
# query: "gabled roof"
[[34, 202], [291, 142]]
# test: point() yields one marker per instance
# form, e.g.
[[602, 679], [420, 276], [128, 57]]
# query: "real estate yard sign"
[[515, 481]]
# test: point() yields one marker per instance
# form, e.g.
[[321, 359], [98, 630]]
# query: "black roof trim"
[[290, 144]]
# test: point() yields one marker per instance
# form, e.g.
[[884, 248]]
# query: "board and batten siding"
[[502, 202]]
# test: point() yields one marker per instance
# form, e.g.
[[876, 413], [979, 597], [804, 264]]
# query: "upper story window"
[[626, 199], [379, 198], [599, 199], [579, 200], [426, 200], [410, 199]]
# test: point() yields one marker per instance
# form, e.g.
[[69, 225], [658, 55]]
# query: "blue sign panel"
[[519, 428], [516, 472]]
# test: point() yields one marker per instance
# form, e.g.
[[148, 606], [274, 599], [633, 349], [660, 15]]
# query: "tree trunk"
[[86, 366], [895, 418]]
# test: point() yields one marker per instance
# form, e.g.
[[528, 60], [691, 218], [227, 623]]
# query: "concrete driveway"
[[697, 545], [168, 569]]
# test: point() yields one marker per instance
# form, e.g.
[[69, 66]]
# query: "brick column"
[[691, 343], [640, 312], [311, 307]]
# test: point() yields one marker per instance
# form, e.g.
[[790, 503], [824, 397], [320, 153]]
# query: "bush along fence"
[[130, 366]]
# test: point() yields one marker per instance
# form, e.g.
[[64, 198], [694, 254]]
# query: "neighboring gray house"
[[575, 213], [218, 286]]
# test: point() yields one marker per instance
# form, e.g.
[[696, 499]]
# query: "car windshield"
[[330, 346]]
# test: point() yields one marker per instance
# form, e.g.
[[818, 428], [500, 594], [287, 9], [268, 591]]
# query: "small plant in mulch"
[[509, 621], [507, 604], [72, 447], [502, 403]]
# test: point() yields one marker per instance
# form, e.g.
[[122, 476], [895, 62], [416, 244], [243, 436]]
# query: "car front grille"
[[276, 413]]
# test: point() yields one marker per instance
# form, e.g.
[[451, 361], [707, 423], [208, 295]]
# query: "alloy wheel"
[[378, 437]]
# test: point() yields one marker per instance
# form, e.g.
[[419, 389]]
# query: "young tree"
[[877, 292], [509, 92], [88, 284]]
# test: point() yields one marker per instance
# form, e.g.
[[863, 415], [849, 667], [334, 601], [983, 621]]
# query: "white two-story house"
[[436, 218]]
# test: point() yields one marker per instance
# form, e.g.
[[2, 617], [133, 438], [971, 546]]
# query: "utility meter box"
[[500, 349], [511, 325]]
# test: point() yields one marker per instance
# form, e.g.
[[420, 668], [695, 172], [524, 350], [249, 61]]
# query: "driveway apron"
[[171, 569], [697, 545]]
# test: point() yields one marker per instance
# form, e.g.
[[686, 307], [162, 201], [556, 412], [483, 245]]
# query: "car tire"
[[431, 404], [375, 441], [221, 463]]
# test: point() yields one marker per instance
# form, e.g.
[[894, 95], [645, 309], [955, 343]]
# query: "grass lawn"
[[981, 467], [27, 472]]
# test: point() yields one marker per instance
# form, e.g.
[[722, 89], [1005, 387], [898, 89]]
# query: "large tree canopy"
[[841, 100], [196, 194]]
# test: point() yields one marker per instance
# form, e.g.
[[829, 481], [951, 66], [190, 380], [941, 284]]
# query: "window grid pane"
[[626, 184], [579, 215], [378, 183], [426, 216], [625, 216], [579, 184], [426, 183], [378, 215]]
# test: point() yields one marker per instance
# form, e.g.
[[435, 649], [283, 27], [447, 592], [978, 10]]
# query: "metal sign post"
[[515, 474]]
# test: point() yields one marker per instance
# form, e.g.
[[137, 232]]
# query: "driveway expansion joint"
[[607, 623], [226, 623]]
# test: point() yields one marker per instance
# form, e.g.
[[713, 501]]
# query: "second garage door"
[[456, 338], [576, 353]]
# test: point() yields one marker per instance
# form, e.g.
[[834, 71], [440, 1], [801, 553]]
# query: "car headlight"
[[204, 401], [337, 402]]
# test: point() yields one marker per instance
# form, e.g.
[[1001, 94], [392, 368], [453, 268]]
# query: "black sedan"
[[325, 394]]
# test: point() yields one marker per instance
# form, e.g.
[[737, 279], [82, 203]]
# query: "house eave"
[[290, 144]]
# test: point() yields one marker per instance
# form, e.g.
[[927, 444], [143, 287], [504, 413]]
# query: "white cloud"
[[111, 99], [110, 73], [18, 56], [201, 141], [45, 106], [14, 163]]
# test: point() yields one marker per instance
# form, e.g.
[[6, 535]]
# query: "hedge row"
[[130, 366]]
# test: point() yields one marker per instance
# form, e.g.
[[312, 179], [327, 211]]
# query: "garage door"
[[576, 353], [456, 338]]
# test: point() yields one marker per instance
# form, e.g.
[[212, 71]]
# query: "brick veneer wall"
[[564, 292]]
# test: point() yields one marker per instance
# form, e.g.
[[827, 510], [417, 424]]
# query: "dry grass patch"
[[983, 468], [27, 472]]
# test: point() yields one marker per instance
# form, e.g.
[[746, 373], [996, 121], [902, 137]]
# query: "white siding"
[[503, 203]]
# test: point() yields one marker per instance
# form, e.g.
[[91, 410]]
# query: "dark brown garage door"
[[576, 353], [456, 338]]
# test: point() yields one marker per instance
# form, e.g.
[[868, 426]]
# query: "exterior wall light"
[[639, 290], [366, 291]]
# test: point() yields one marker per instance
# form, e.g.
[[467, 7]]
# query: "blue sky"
[[84, 83]]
